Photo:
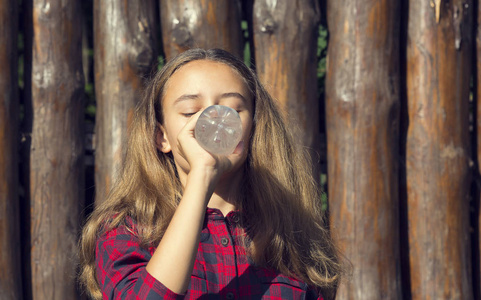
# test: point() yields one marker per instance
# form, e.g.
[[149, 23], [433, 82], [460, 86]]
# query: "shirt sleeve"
[[121, 268]]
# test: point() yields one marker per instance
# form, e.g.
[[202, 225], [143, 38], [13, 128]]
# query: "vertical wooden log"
[[124, 50], [362, 123], [285, 41], [56, 153], [201, 24], [10, 269], [437, 150]]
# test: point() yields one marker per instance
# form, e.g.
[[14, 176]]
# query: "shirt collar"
[[216, 214]]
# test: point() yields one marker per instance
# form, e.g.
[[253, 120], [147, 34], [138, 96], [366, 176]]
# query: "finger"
[[238, 151], [186, 137], [190, 125], [239, 148]]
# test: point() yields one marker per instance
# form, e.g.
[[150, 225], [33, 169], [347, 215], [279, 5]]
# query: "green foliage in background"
[[322, 57], [247, 49], [90, 106]]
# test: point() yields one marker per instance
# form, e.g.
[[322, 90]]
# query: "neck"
[[226, 195]]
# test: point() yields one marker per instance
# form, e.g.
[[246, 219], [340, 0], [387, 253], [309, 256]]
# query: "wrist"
[[203, 174], [202, 180]]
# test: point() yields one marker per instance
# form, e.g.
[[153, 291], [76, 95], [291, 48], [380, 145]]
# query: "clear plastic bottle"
[[218, 129]]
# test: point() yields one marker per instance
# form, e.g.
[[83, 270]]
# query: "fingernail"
[[239, 147]]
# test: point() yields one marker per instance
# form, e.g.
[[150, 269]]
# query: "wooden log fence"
[[287, 66], [362, 124], [438, 149], [55, 192], [201, 24], [125, 40], [373, 73]]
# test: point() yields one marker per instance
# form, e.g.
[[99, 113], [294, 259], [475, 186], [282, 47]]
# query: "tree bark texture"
[[285, 41], [204, 24], [438, 150], [362, 124], [10, 268], [124, 50], [56, 152]]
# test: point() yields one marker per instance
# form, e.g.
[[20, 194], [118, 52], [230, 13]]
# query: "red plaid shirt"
[[222, 270]]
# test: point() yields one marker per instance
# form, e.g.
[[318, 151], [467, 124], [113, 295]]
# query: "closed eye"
[[188, 115]]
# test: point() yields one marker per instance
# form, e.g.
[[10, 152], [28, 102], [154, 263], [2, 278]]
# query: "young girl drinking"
[[182, 223]]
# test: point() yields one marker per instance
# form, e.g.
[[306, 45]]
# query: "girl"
[[182, 223]]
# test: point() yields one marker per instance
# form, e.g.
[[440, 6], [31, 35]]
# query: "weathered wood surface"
[[437, 150], [362, 123], [201, 24], [56, 189], [285, 39], [10, 269], [124, 51]]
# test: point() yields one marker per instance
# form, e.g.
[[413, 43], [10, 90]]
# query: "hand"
[[200, 159]]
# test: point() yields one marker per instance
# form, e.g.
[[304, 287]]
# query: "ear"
[[161, 140]]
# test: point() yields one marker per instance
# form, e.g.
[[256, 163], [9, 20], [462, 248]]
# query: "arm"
[[173, 260], [174, 257], [127, 271]]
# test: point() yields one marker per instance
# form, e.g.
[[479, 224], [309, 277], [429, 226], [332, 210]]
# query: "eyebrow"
[[186, 97], [196, 96], [233, 95]]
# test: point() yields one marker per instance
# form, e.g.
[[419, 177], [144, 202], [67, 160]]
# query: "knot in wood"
[[181, 35], [144, 60], [457, 22], [268, 26]]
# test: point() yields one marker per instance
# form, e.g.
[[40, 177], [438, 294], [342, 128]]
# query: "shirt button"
[[229, 295], [235, 218], [224, 241]]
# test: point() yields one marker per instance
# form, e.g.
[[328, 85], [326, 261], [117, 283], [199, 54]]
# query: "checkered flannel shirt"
[[222, 270]]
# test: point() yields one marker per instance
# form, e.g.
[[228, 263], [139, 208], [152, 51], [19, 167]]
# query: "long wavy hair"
[[281, 210]]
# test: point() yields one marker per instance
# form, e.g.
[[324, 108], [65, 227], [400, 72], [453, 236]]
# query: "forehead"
[[204, 74]]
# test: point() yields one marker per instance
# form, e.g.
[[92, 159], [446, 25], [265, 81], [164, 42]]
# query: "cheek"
[[247, 129], [172, 131]]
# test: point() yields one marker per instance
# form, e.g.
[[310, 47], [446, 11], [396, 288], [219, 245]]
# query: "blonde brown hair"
[[280, 204]]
